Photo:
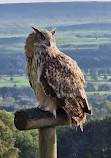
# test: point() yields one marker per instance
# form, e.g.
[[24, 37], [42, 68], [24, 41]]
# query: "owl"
[[55, 78]]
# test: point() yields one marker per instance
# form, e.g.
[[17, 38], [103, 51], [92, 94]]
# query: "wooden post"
[[47, 143], [35, 118]]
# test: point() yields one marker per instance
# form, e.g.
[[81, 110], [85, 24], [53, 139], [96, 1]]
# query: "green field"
[[99, 92], [69, 38], [18, 81]]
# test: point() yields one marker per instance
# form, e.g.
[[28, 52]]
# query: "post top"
[[34, 118]]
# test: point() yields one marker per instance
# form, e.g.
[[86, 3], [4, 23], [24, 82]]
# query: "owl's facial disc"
[[44, 38]]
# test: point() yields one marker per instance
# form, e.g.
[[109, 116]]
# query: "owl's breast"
[[34, 70]]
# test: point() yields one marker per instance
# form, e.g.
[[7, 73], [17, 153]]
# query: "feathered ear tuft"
[[53, 31], [35, 29]]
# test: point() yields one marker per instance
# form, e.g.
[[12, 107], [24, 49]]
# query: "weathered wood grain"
[[36, 118], [47, 143]]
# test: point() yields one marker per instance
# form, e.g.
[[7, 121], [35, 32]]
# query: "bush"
[[90, 87], [104, 87]]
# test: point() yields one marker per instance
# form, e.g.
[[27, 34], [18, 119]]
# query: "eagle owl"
[[56, 79]]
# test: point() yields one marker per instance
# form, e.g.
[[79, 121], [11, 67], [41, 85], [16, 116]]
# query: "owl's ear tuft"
[[53, 31], [35, 29]]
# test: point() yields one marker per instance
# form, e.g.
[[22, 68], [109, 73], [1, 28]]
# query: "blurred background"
[[83, 32]]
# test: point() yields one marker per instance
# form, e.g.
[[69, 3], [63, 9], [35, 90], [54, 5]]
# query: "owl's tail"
[[77, 109]]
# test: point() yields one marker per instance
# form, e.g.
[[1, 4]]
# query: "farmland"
[[84, 37]]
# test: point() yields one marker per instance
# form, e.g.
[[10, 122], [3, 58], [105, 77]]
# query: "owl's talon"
[[40, 107], [46, 109], [54, 113]]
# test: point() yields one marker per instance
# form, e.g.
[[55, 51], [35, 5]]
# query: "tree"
[[7, 142], [11, 79], [13, 143], [90, 87], [94, 142], [104, 87], [109, 80], [109, 98], [105, 77], [27, 144], [94, 73]]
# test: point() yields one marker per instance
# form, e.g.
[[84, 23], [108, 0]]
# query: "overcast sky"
[[27, 1]]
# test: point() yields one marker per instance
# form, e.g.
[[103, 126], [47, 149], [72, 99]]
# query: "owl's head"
[[38, 38], [41, 37]]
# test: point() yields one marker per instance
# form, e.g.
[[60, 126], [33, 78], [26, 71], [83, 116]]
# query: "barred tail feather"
[[77, 109]]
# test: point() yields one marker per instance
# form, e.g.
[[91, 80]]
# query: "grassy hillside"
[[77, 11], [80, 26], [83, 32]]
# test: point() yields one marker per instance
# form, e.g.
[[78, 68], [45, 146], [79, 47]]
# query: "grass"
[[18, 81], [99, 92], [99, 82]]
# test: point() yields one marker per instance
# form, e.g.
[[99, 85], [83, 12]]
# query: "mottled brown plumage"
[[55, 78]]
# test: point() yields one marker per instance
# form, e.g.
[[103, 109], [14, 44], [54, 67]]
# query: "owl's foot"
[[48, 109], [40, 107]]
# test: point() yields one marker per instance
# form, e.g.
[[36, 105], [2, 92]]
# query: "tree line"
[[12, 99], [93, 142]]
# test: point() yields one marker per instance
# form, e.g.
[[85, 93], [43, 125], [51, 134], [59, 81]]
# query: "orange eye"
[[42, 38]]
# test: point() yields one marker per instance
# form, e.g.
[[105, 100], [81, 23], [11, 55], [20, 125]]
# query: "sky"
[[27, 1]]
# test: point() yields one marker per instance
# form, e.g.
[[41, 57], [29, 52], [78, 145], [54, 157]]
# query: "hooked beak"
[[48, 44]]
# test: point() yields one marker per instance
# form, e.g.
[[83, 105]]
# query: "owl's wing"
[[62, 78]]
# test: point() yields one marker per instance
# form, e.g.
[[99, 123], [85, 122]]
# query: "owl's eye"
[[42, 38]]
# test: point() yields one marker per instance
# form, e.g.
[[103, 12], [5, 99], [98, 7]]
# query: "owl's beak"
[[48, 44]]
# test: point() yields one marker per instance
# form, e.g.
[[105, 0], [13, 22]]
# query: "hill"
[[83, 31], [76, 11]]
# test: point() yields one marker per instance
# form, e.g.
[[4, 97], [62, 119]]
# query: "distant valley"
[[83, 31]]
